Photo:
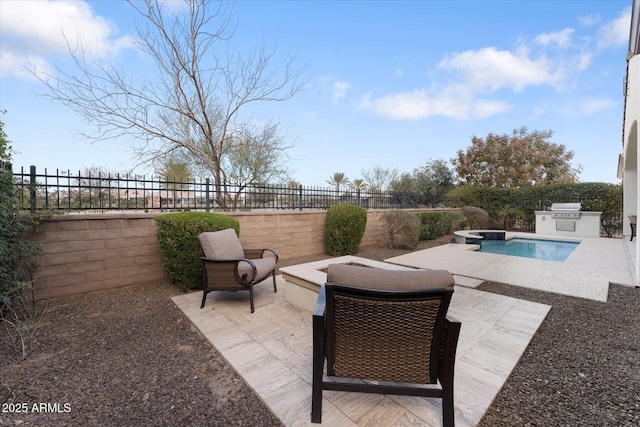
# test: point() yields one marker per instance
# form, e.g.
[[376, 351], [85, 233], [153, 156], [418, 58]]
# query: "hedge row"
[[508, 205]]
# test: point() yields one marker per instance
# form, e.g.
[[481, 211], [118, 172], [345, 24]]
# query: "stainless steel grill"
[[565, 210]]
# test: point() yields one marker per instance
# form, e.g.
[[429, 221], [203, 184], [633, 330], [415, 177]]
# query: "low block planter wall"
[[96, 252]]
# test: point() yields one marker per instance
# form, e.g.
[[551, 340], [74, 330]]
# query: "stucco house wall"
[[631, 156]]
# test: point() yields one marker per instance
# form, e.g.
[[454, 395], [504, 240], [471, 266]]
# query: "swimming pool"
[[547, 250]]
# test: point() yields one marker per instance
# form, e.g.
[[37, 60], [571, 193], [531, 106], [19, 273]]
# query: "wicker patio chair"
[[229, 267], [633, 222], [388, 328]]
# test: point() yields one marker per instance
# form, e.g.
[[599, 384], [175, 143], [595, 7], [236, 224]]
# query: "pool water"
[[548, 250]]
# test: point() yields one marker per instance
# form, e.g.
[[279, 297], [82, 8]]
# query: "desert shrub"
[[478, 217], [344, 229], [180, 249], [18, 252], [401, 229], [436, 224]]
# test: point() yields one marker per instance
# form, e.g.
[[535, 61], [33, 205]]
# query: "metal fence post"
[[206, 196], [32, 188], [300, 196]]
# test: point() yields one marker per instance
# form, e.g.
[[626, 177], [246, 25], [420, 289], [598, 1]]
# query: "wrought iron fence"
[[70, 193], [67, 192]]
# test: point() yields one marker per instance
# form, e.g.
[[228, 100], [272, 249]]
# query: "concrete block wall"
[[88, 253]]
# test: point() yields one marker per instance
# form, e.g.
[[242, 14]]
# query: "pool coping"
[[586, 273]]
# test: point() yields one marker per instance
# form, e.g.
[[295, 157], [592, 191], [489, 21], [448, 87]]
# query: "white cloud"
[[489, 69], [37, 31], [561, 39], [468, 81], [592, 106], [616, 32], [339, 90], [589, 20], [453, 102]]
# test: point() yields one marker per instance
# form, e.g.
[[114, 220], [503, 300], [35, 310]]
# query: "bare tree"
[[379, 178], [197, 101]]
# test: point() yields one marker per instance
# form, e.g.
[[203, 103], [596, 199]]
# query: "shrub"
[[478, 217], [344, 229], [18, 252], [402, 229], [436, 224], [180, 249]]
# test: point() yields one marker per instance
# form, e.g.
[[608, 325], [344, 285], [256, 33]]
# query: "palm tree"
[[338, 180], [359, 184]]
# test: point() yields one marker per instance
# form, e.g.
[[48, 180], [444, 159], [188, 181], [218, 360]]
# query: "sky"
[[391, 84]]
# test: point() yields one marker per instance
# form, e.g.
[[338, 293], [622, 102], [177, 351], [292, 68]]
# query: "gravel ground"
[[582, 367], [130, 358]]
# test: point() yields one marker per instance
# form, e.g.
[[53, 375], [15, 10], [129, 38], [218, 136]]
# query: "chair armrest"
[[259, 253], [234, 264]]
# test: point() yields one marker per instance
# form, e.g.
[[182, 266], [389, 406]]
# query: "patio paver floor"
[[272, 348]]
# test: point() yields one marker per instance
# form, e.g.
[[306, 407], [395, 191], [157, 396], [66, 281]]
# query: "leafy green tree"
[[517, 160], [435, 178]]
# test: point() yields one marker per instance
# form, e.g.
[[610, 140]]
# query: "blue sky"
[[390, 84]]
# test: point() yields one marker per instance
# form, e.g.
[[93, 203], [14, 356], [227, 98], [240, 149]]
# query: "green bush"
[[401, 229], [180, 249], [436, 224], [478, 217], [344, 229], [18, 252]]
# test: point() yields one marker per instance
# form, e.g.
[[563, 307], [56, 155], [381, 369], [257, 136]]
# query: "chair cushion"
[[264, 266], [222, 244], [377, 278]]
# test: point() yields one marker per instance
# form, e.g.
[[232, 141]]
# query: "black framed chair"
[[227, 266], [389, 329]]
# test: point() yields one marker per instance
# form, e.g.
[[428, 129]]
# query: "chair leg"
[[316, 405], [318, 357], [316, 386], [204, 298], [275, 289], [251, 298], [448, 417]]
